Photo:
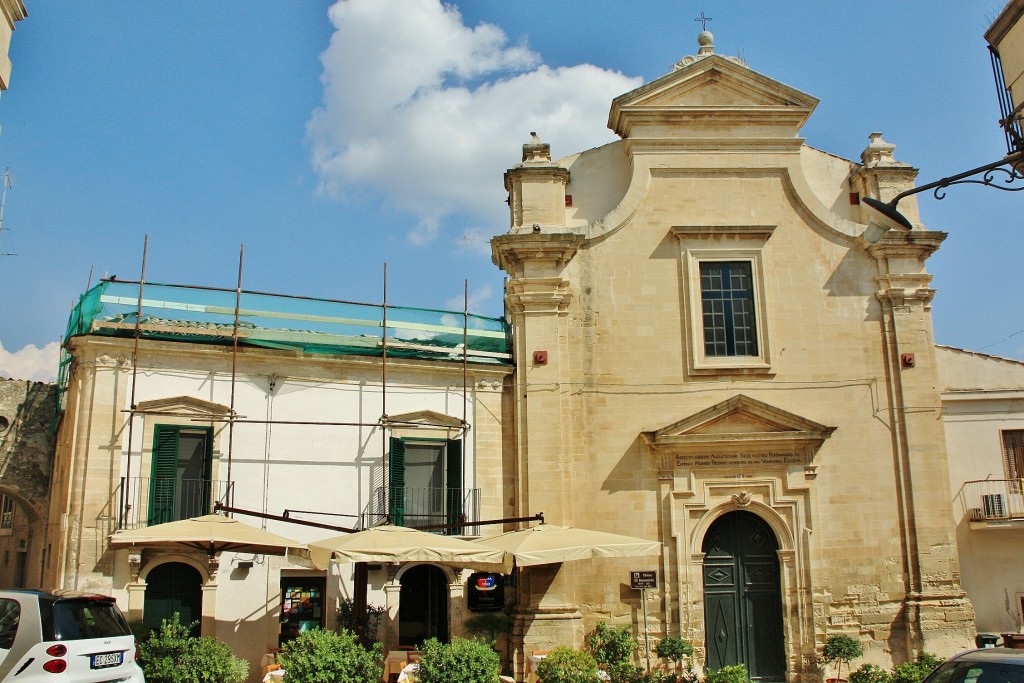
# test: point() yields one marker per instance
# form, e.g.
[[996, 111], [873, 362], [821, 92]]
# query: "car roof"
[[55, 594], [1001, 655]]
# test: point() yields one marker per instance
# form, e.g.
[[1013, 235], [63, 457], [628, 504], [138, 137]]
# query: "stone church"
[[717, 348], [710, 343]]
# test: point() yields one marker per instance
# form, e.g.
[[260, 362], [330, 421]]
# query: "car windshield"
[[978, 672], [87, 618]]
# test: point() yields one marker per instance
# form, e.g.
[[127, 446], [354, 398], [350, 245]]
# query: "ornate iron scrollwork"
[[989, 179]]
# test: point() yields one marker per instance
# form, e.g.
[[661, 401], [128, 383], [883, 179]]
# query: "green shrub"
[[319, 656], [870, 673], [626, 672], [568, 665], [460, 661], [914, 672], [611, 645], [172, 655], [841, 649], [727, 674]]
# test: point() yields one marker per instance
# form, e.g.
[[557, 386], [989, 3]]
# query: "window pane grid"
[[727, 297]]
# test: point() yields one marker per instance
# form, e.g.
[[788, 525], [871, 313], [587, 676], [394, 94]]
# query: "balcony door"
[[426, 482], [180, 479]]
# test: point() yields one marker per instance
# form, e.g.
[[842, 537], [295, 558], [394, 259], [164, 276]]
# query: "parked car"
[[988, 665], [64, 636]]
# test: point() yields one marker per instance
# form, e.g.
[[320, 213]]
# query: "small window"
[[1013, 457], [6, 513], [727, 304]]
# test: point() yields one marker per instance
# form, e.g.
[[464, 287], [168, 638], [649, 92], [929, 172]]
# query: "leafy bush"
[[172, 655], [611, 645], [674, 649], [914, 672], [460, 661], [841, 649], [568, 665], [870, 673], [727, 674], [319, 656]]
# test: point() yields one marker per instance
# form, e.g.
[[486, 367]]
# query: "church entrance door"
[[743, 597]]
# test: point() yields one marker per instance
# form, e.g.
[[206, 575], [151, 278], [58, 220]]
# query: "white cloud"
[[31, 362], [477, 298], [427, 112]]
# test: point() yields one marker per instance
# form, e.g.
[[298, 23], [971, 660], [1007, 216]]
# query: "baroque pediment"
[[183, 406], [424, 424], [740, 430], [713, 90], [426, 418]]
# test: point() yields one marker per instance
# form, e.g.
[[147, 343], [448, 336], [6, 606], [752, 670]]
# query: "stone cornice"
[[901, 289], [510, 251], [538, 295], [919, 244], [559, 173], [755, 232]]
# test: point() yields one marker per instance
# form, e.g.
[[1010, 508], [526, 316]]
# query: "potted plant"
[[841, 649], [675, 650]]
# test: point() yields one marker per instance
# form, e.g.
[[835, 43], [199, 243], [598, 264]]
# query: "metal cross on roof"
[[703, 21]]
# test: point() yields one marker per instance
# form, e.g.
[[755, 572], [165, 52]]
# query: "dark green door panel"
[[742, 596], [173, 587]]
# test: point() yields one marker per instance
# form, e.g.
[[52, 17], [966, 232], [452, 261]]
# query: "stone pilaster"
[[937, 615]]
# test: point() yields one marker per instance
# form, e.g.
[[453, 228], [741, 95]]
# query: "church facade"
[[715, 347]]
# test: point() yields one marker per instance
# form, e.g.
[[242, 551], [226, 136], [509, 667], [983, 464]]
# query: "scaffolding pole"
[[234, 360], [125, 494]]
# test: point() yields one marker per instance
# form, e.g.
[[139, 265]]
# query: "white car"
[[61, 637]]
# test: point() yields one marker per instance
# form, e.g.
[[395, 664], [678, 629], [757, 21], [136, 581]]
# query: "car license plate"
[[106, 659]]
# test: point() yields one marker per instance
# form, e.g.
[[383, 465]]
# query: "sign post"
[[641, 581]]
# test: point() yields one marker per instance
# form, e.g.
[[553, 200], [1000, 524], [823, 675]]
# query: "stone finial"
[[536, 151], [706, 48], [879, 153], [706, 41]]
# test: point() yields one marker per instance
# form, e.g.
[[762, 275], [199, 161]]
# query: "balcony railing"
[[144, 501], [420, 507], [994, 499]]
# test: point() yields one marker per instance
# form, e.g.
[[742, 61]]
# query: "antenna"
[[3, 206]]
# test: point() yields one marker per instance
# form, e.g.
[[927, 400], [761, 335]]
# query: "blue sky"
[[330, 138]]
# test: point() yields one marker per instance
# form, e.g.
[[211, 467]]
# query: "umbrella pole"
[[360, 580]]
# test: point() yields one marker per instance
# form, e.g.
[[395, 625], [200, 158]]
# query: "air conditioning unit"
[[994, 505]]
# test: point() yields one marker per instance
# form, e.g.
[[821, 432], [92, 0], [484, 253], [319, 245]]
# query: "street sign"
[[643, 580]]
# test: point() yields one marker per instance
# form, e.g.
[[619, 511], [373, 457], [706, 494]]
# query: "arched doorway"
[[743, 596], [173, 587], [423, 605]]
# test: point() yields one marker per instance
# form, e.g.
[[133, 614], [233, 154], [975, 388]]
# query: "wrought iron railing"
[[424, 507], [1011, 116], [994, 499], [145, 501]]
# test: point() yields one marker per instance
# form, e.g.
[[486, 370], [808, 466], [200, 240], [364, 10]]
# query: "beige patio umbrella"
[[389, 543], [549, 543], [209, 533]]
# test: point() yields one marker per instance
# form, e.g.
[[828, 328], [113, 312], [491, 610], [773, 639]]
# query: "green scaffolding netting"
[[315, 326]]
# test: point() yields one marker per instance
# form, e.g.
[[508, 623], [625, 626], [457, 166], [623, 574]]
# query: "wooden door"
[[743, 596]]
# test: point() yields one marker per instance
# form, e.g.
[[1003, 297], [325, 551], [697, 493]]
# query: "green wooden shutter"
[[164, 473], [396, 485], [453, 485]]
